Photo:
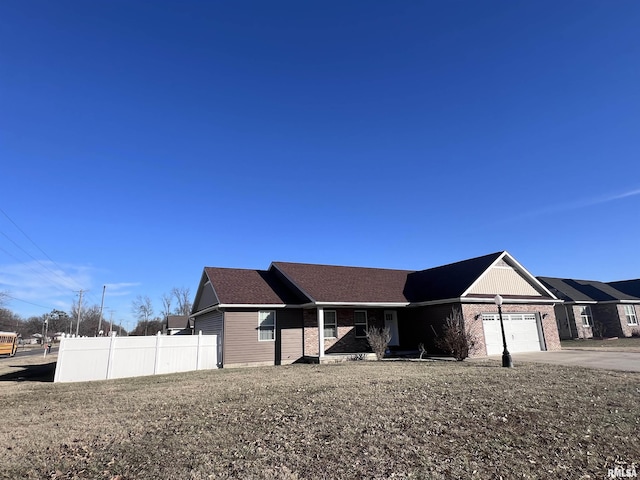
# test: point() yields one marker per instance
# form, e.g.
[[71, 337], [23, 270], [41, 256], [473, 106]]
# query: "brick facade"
[[611, 315], [472, 313], [581, 330], [346, 341], [626, 329], [417, 325]]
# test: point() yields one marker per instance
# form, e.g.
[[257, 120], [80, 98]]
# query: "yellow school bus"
[[8, 343]]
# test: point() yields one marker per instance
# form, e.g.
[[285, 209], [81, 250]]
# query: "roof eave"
[[541, 300], [358, 304], [259, 305]]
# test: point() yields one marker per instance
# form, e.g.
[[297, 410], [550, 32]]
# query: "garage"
[[521, 330]]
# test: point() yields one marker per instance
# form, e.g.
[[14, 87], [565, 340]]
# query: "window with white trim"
[[630, 313], [585, 315], [360, 322], [266, 325], [330, 324]]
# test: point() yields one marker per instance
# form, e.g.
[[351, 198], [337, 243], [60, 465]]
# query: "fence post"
[[112, 347], [157, 362], [56, 375], [198, 354]]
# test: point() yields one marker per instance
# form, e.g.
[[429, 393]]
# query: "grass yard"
[[629, 344], [345, 421]]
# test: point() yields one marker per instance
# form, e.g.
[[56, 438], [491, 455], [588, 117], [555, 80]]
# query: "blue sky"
[[141, 141]]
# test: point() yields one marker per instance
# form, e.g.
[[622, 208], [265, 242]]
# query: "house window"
[[266, 325], [630, 313], [330, 324], [360, 321], [585, 315]]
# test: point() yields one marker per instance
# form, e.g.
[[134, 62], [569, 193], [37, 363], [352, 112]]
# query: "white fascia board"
[[206, 310], [519, 267], [529, 275], [201, 288], [436, 302], [514, 300], [486, 300], [258, 305], [629, 302], [481, 276], [362, 304], [292, 282]]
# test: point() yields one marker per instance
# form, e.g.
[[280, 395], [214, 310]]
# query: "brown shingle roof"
[[177, 321], [330, 283], [288, 283], [630, 287], [586, 290], [255, 287], [447, 281]]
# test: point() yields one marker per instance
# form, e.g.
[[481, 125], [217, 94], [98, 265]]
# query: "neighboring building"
[[594, 309], [295, 310], [630, 287], [178, 325]]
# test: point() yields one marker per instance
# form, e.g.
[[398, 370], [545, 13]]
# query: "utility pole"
[[104, 287], [110, 321], [79, 310]]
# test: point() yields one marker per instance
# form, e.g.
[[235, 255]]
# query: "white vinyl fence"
[[101, 358]]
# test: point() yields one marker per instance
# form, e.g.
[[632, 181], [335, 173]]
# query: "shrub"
[[456, 338], [379, 339], [599, 329], [635, 333]]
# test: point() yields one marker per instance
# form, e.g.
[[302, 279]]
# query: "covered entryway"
[[522, 332], [391, 322]]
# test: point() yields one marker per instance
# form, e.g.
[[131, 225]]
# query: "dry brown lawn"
[[630, 344], [347, 421]]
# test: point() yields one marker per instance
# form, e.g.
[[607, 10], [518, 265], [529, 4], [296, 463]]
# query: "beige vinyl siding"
[[207, 298], [241, 344], [506, 281], [289, 334]]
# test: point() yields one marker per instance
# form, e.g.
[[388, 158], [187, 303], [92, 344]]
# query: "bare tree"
[[89, 320], [166, 304], [142, 308], [9, 321], [182, 296]]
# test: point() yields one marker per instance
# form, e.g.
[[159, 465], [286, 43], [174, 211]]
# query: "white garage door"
[[520, 330]]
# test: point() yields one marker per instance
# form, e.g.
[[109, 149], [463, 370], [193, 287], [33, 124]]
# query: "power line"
[[70, 279], [38, 247], [55, 284], [33, 258], [25, 301], [29, 238]]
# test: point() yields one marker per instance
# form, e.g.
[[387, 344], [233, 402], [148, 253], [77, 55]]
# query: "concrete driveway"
[[625, 361]]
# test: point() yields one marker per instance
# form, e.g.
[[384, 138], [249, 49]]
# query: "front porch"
[[335, 334]]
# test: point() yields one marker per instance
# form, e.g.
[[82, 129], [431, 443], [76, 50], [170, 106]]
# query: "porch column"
[[320, 332]]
